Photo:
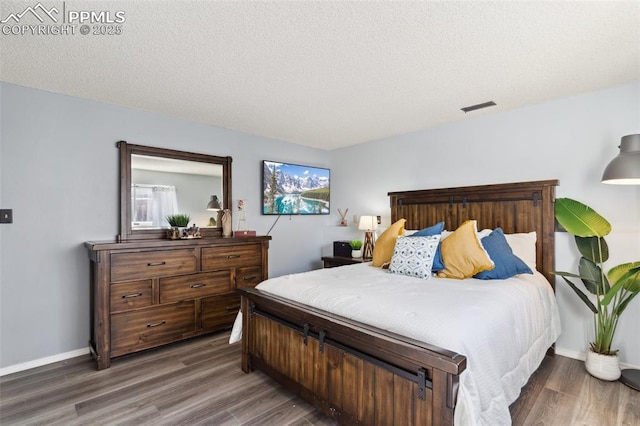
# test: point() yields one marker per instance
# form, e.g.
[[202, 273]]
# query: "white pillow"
[[524, 246], [413, 256]]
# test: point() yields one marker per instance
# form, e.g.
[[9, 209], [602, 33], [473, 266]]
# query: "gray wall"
[[59, 172], [570, 139]]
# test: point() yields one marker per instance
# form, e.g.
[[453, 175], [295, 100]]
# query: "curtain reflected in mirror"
[[151, 204]]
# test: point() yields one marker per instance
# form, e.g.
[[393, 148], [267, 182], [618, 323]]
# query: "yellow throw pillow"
[[385, 243], [462, 253]]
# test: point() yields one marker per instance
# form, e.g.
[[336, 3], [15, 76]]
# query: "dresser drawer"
[[248, 277], [231, 256], [193, 286], [152, 264], [148, 327], [220, 311], [130, 295]]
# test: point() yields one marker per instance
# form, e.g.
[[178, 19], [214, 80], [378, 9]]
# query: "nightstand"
[[333, 261]]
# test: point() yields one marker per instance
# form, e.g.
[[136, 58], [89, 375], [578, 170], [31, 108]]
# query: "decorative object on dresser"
[[147, 291], [178, 223], [319, 354], [225, 223], [241, 230], [368, 224], [612, 291]]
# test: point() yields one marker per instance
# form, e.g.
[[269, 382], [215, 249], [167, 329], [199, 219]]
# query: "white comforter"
[[503, 327]]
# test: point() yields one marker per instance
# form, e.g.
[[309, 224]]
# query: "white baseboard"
[[581, 356], [42, 361]]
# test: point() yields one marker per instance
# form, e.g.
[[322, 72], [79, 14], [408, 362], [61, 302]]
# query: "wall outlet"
[[6, 215], [379, 219], [355, 219]]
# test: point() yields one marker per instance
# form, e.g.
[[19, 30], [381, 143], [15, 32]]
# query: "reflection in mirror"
[[161, 187], [159, 182]]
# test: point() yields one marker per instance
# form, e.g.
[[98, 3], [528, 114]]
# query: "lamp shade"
[[625, 168], [368, 223], [214, 203]]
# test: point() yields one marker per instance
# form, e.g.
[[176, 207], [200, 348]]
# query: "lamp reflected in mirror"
[[213, 205]]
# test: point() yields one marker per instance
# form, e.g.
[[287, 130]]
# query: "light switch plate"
[[6, 215]]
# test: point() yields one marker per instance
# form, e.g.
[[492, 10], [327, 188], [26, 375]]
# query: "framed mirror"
[[158, 182]]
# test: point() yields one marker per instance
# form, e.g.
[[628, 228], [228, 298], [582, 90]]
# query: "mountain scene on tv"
[[294, 189]]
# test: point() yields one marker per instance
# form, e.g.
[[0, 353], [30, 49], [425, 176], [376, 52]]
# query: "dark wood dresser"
[[152, 292]]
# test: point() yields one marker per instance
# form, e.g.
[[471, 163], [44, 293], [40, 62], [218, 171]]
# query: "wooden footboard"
[[353, 372]]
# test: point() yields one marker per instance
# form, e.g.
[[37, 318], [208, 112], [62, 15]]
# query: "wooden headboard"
[[515, 207]]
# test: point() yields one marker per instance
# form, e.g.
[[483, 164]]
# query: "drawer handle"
[[132, 295], [233, 256], [157, 324], [249, 277], [233, 308], [156, 263], [198, 285]]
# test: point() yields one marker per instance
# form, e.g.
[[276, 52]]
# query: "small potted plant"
[[356, 248], [607, 294], [177, 222]]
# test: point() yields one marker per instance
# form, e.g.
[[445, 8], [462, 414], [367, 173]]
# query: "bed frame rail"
[[355, 373]]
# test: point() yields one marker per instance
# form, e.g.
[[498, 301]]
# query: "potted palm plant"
[[613, 291]]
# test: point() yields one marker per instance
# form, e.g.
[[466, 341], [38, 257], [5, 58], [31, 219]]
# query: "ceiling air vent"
[[478, 106]]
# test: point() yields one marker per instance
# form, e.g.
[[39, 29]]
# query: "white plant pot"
[[604, 367], [356, 253]]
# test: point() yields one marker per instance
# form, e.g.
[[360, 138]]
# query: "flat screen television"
[[294, 189]]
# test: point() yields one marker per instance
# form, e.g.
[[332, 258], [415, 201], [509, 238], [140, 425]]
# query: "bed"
[[355, 367]]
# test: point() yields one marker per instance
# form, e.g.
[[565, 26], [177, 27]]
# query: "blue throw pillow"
[[507, 263], [438, 263]]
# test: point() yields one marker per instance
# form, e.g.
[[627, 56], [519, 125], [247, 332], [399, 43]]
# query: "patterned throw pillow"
[[414, 256]]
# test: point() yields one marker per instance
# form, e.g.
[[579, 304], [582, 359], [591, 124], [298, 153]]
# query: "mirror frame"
[[126, 150]]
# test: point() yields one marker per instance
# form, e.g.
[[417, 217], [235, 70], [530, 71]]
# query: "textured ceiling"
[[329, 74]]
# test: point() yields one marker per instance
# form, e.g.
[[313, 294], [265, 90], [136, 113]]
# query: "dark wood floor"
[[200, 382]]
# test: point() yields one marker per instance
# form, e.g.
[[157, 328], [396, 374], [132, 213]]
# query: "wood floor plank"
[[284, 414], [551, 408], [199, 382], [254, 405], [629, 407], [530, 393], [598, 402], [570, 376]]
